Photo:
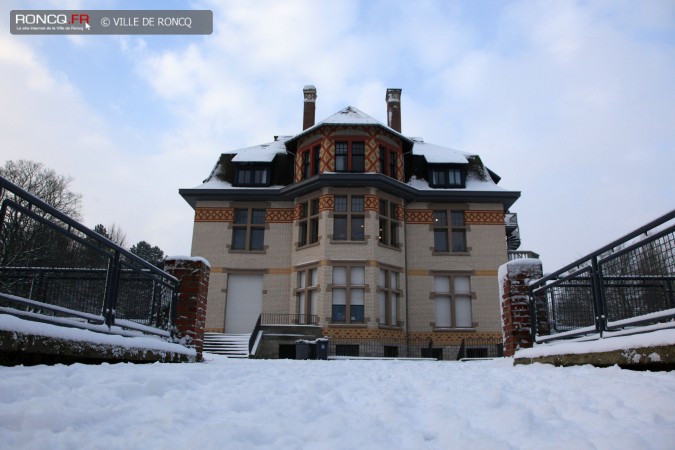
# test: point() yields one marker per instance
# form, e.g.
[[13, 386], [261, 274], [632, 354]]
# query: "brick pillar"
[[514, 279], [193, 274]]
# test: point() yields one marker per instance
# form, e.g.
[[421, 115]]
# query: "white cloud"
[[570, 102], [47, 119]]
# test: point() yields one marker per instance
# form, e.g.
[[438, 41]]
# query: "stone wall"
[[276, 335]]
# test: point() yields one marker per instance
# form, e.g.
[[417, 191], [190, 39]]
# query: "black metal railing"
[[54, 269], [254, 335], [289, 319], [381, 348], [481, 348], [628, 283]]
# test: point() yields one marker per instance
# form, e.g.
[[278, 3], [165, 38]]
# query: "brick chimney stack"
[[309, 112], [394, 109]]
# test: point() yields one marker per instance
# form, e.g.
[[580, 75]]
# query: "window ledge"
[[435, 253], [313, 244], [347, 325], [448, 329], [249, 252], [390, 247], [363, 242], [390, 327]]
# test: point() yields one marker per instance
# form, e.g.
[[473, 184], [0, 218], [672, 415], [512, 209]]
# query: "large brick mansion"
[[369, 232]]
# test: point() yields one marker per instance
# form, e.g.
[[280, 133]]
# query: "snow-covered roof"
[[472, 184], [349, 116], [436, 154], [260, 153]]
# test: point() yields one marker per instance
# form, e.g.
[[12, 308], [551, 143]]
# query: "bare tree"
[[112, 232], [44, 183], [24, 240]]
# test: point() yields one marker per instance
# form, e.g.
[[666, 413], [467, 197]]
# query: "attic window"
[[446, 176], [251, 174]]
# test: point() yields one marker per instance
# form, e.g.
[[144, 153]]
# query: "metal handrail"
[[36, 201], [120, 264], [632, 235], [254, 335], [289, 319], [629, 282]]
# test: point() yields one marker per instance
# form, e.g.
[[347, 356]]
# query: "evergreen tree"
[[153, 255], [115, 234]]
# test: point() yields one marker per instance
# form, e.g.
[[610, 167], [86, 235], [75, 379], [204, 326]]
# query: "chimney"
[[394, 109], [308, 114]]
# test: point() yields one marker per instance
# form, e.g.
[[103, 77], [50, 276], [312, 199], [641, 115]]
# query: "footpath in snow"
[[243, 404]]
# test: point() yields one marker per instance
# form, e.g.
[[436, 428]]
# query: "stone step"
[[231, 345]]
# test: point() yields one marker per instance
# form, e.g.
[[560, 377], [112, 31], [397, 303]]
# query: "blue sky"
[[570, 102]]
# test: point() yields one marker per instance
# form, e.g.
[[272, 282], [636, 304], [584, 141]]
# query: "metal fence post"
[[598, 297], [533, 316], [110, 299]]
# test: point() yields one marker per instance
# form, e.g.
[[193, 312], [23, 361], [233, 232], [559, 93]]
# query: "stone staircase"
[[230, 345]]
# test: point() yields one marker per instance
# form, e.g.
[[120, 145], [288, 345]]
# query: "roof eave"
[[378, 181]]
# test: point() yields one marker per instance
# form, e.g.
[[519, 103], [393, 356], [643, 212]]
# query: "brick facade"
[[386, 172], [191, 307], [281, 260], [516, 326]]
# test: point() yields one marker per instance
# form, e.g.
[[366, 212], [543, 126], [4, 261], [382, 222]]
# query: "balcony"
[[511, 221]]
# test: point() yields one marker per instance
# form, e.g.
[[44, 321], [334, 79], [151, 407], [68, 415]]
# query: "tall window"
[[252, 174], [309, 223], [306, 294], [348, 218], [389, 295], [452, 295], [388, 231], [449, 236], [310, 162], [248, 230], [350, 156], [446, 176], [348, 294], [388, 162]]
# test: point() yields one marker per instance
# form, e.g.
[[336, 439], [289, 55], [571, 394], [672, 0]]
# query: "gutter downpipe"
[[405, 270]]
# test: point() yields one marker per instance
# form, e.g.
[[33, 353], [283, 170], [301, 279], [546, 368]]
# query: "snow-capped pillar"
[[514, 280], [193, 275], [309, 113], [393, 98]]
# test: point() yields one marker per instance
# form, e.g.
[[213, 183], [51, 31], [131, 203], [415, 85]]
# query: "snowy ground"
[[240, 404]]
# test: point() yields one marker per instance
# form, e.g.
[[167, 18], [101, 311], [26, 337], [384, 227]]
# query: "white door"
[[244, 302]]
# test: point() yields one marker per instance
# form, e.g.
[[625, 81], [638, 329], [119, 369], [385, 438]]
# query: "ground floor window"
[[389, 297], [346, 350], [306, 294], [452, 295], [348, 294], [435, 353], [390, 351], [286, 351]]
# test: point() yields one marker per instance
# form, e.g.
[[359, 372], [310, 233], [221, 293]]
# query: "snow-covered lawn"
[[240, 404]]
